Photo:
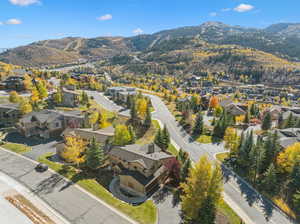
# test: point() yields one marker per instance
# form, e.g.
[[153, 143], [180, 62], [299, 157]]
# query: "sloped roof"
[[133, 153]]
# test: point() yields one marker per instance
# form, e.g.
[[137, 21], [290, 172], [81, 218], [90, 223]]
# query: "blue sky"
[[25, 21]]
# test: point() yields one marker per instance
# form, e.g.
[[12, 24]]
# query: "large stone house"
[[9, 114], [141, 167], [49, 123]]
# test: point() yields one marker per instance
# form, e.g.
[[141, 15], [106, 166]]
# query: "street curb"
[[253, 189], [78, 187]]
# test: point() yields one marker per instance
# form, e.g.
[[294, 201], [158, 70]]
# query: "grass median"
[[145, 213], [17, 148]]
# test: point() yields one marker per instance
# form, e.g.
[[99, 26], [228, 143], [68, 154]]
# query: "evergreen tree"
[[257, 156], [270, 179], [280, 121], [165, 138], [158, 138], [290, 122], [95, 156], [295, 177], [296, 201], [184, 171], [148, 118], [198, 128], [133, 114], [247, 118], [298, 123], [267, 122], [132, 134]]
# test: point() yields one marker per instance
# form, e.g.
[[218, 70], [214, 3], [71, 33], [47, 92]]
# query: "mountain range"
[[270, 54]]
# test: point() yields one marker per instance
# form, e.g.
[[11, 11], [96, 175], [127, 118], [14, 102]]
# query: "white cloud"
[[13, 22], [225, 10], [105, 17], [24, 2], [213, 14], [243, 8], [1, 23], [138, 31]]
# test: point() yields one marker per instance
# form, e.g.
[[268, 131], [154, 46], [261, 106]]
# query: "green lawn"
[[18, 148], [205, 139], [232, 217], [145, 213]]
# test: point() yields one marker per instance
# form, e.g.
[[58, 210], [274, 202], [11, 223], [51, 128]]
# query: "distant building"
[[9, 114], [49, 123], [13, 83], [70, 98]]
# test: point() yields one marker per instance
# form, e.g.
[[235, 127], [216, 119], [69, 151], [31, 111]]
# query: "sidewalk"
[[10, 187]]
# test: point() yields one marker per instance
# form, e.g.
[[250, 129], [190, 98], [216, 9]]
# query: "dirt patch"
[[27, 208]]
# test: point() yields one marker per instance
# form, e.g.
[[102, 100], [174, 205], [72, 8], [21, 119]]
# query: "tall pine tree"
[[95, 156], [198, 128]]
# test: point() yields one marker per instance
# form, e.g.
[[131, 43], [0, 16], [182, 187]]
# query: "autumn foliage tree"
[[122, 135], [202, 192], [214, 102], [288, 158], [74, 149]]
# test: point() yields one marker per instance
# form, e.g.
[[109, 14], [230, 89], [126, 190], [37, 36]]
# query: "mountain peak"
[[213, 23]]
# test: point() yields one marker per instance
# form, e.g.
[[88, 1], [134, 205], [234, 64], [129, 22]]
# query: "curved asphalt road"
[[249, 204]]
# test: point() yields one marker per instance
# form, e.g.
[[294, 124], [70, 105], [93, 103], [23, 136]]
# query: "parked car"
[[41, 167]]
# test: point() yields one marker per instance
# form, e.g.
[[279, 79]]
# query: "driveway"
[[74, 204], [39, 146], [168, 210]]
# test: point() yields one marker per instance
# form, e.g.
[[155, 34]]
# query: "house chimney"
[[151, 148]]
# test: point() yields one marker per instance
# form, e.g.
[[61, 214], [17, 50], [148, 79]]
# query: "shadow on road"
[[48, 185], [16, 137]]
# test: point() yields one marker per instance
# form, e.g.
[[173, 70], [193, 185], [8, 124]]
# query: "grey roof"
[[49, 115], [285, 142], [139, 153], [225, 102]]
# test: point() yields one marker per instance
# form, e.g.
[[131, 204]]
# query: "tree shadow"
[[48, 185], [16, 137], [250, 195], [267, 208], [161, 195]]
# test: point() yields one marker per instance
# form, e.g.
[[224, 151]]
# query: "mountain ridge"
[[282, 40]]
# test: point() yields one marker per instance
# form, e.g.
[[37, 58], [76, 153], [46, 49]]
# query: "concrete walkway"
[[9, 187]]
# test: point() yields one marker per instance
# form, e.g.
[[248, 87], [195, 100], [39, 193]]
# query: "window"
[[57, 124]]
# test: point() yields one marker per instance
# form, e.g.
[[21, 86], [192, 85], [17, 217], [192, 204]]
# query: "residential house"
[[87, 134], [142, 167], [288, 137], [14, 83], [235, 109], [9, 114], [49, 123], [70, 98], [120, 93]]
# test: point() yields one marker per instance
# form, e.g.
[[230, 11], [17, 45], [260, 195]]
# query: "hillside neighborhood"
[[149, 112], [107, 129]]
